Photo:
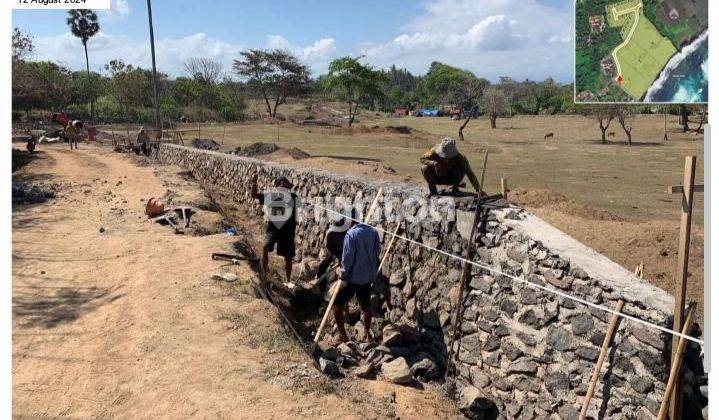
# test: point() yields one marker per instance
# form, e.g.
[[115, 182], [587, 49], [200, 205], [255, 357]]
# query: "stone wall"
[[528, 351]]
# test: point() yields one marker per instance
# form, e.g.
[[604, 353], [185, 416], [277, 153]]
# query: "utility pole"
[[158, 121]]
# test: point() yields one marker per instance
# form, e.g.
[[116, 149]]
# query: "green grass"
[[645, 55]]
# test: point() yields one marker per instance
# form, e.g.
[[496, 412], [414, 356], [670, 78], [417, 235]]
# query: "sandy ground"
[[128, 322]]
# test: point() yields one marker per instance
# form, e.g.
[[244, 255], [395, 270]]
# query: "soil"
[[114, 316], [257, 149], [207, 144]]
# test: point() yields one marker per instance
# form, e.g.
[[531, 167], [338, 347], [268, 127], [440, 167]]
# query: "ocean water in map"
[[684, 79]]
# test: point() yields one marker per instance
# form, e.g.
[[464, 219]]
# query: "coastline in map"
[[657, 93]]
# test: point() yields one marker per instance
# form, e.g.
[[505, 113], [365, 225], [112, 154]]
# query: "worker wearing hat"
[[444, 165], [280, 214]]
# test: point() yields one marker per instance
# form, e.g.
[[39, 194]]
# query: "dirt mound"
[[297, 153], [400, 129], [546, 199], [206, 144], [257, 149]]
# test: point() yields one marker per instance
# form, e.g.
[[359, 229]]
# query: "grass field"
[[645, 51], [627, 181]]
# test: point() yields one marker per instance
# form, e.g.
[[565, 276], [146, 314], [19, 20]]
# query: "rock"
[[397, 371], [560, 339], [508, 306], [491, 343], [475, 405], [479, 283], [363, 371], [530, 318], [562, 283], [511, 351], [391, 336], [528, 297], [397, 278], [522, 366], [582, 323], [228, 277], [330, 354], [479, 378], [425, 368], [587, 353], [556, 381], [641, 384], [568, 412], [651, 337], [329, 367], [527, 339]]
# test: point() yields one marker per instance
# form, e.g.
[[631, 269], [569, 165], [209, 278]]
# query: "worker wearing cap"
[[360, 261], [280, 214], [444, 165]]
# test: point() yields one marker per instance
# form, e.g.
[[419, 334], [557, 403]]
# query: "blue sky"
[[518, 38]]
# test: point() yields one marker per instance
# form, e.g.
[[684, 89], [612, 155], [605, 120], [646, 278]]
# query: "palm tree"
[[83, 24]]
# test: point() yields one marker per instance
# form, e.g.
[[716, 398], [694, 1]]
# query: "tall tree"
[[83, 24], [624, 116], [21, 45], [494, 103], [354, 83], [276, 74], [604, 115]]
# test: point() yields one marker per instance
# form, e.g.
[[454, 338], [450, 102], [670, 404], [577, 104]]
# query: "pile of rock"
[[22, 194], [400, 358]]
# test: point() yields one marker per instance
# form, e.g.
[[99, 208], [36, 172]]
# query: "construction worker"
[[444, 165], [143, 140], [280, 214], [334, 239], [72, 132], [360, 260]]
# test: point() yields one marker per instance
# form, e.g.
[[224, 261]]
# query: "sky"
[[518, 38]]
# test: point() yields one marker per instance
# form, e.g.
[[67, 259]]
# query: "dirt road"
[[117, 317]]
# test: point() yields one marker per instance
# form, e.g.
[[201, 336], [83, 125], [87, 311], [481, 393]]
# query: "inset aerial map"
[[641, 51]]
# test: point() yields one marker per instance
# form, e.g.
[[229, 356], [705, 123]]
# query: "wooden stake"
[[674, 373], [114, 142], [505, 190], [465, 267], [608, 337], [338, 283], [680, 280], [198, 130]]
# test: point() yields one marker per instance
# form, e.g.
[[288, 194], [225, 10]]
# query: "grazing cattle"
[[548, 136]]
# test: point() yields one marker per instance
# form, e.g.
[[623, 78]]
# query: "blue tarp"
[[426, 112]]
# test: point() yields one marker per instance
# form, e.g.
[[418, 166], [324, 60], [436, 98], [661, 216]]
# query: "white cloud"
[[103, 47], [316, 55], [118, 9], [518, 38]]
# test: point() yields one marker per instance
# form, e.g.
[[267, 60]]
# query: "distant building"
[[584, 95], [597, 23], [401, 112], [673, 14], [607, 65]]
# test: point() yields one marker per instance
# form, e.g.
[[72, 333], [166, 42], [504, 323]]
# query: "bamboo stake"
[[326, 316], [465, 267], [676, 364], [114, 142], [505, 190], [608, 336]]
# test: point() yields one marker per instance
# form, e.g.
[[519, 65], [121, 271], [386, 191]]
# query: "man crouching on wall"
[[445, 165], [280, 206], [360, 259]]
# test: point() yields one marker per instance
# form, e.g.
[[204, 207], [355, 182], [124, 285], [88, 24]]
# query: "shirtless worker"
[[281, 216], [444, 165], [360, 260]]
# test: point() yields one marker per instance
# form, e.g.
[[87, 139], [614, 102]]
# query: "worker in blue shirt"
[[360, 259]]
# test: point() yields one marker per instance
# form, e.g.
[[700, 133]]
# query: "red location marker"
[[619, 79]]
